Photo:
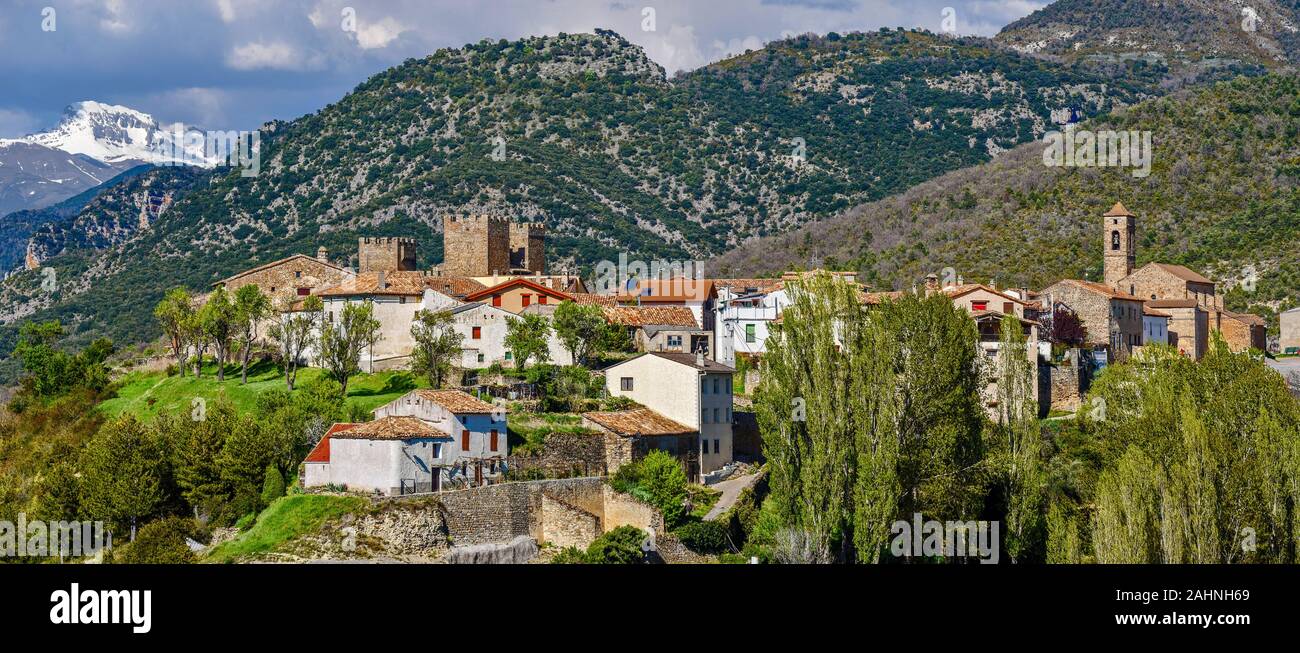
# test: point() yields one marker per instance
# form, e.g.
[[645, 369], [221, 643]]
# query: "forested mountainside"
[[16, 228], [1179, 33], [1222, 197], [584, 133]]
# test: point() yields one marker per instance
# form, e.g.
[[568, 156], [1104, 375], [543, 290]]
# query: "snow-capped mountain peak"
[[114, 134]]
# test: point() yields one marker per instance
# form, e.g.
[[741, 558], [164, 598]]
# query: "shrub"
[[663, 477], [621, 546], [703, 536], [570, 555], [161, 542], [272, 485]]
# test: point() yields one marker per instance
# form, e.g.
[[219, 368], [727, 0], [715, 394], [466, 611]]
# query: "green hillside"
[[1222, 197], [598, 144]]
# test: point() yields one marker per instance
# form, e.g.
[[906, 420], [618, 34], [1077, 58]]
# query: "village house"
[[423, 441], [632, 434], [483, 330], [661, 328], [1155, 326], [1289, 322], [746, 309], [395, 298], [518, 293], [1112, 319], [290, 279], [1189, 325], [699, 295], [688, 389]]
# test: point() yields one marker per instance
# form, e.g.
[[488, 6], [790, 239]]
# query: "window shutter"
[[464, 440], [494, 439]]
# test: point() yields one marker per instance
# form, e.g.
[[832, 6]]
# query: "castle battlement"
[[482, 245]]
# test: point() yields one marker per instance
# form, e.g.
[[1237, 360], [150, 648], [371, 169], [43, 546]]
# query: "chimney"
[[321, 254], [380, 282], [931, 284], [699, 358], [960, 280]]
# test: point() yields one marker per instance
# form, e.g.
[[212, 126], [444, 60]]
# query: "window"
[[477, 333], [675, 341], [625, 384], [401, 299], [715, 385], [303, 292], [494, 440], [541, 299], [716, 416], [979, 306], [527, 298], [1114, 240], [704, 446], [496, 300], [480, 357], [437, 450], [297, 274], [704, 416], [704, 386], [1008, 308], [509, 355], [717, 445], [749, 333], [273, 289], [464, 440], [329, 317]]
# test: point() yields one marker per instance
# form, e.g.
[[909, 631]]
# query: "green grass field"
[[285, 519], [146, 394]]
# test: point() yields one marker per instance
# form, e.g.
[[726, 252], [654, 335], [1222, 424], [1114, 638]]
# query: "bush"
[[703, 536], [570, 555], [272, 485], [662, 476], [621, 546], [161, 542]]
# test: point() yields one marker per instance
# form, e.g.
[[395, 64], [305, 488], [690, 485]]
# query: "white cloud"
[[275, 55], [15, 123], [114, 21], [378, 34]]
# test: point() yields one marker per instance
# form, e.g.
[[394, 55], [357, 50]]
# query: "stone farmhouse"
[[1112, 318], [690, 390], [662, 328], [290, 279], [632, 434], [423, 441]]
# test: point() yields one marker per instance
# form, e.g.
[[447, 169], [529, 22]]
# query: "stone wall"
[[569, 454], [1063, 385], [1152, 281], [567, 525], [1241, 336], [503, 512]]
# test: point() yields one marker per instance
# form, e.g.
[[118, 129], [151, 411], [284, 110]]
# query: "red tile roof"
[[275, 263], [321, 452], [391, 428], [670, 290], [640, 421], [638, 316], [519, 281], [1117, 211], [456, 401], [1183, 273], [1100, 289]]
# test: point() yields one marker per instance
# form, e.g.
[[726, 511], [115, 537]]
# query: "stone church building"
[[1192, 300]]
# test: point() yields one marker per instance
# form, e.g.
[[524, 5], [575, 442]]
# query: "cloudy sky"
[[233, 64]]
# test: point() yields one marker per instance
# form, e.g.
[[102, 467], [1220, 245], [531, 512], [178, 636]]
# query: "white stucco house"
[[1155, 326], [688, 389], [423, 441], [744, 315], [483, 331]]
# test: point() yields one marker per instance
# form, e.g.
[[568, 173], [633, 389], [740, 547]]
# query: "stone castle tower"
[[386, 253], [483, 245], [1119, 243]]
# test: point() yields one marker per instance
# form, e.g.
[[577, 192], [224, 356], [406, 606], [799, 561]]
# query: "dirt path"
[[731, 489]]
